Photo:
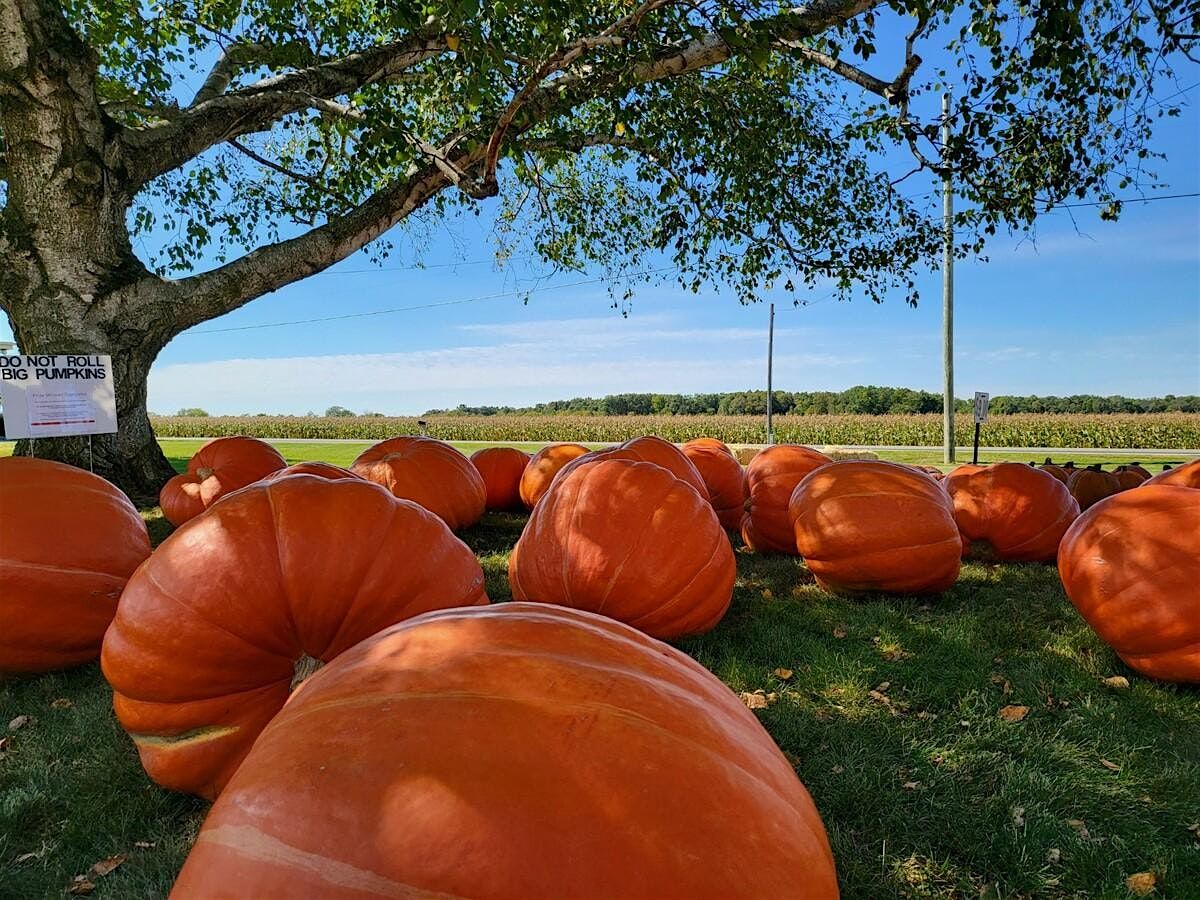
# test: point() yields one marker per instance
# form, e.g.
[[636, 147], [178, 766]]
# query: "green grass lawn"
[[343, 453], [890, 716]]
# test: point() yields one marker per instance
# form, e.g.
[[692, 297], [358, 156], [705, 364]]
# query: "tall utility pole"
[[947, 293], [770, 362]]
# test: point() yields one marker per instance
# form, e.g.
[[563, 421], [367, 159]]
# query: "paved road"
[[1016, 451]]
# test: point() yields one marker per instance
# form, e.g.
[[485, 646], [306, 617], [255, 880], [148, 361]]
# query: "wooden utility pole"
[[770, 362], [947, 293]]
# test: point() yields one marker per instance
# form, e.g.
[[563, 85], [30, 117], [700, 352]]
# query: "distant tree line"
[[858, 400]]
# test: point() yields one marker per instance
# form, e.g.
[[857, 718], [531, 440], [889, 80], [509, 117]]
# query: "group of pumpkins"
[[446, 742]]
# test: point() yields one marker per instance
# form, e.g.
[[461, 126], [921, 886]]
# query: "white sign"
[[52, 396], [981, 405]]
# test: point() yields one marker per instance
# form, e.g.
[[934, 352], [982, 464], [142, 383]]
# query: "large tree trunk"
[[131, 458], [69, 280]]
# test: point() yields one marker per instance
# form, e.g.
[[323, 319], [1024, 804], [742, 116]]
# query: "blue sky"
[[1087, 307]]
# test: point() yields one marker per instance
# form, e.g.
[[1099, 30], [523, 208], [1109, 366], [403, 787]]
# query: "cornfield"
[[1174, 431]]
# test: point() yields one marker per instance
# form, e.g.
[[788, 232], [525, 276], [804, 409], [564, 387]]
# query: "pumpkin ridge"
[[242, 838], [858, 554], [634, 546], [287, 599], [217, 625], [682, 591], [191, 736], [47, 567], [621, 713]]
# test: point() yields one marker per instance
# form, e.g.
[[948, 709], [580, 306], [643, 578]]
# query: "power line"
[[437, 304], [1127, 200]]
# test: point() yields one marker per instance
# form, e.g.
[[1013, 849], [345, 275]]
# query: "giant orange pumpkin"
[[1129, 476], [1060, 473], [723, 476], [540, 472], [1187, 475], [771, 477], [1091, 485], [428, 472], [313, 467], [501, 469], [180, 500], [210, 633], [1019, 512], [224, 465], [629, 540], [69, 541], [866, 525], [518, 750], [649, 449], [221, 466], [1131, 566]]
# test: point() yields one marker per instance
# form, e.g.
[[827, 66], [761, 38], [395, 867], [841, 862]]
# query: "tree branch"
[[563, 57], [210, 294], [165, 146]]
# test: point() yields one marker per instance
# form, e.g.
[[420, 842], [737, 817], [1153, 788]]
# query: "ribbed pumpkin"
[[1139, 468], [629, 540], [649, 449], [1128, 477], [224, 465], [518, 750], [313, 467], [1060, 473], [209, 633], [428, 472], [771, 477], [1019, 512], [1187, 475], [876, 526], [932, 471], [501, 469], [1091, 485], [180, 500], [540, 471], [69, 541], [1131, 566], [723, 476]]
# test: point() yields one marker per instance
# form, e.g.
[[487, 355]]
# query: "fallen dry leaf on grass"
[[1141, 883], [20, 722], [1053, 855], [1110, 765], [1120, 682], [883, 686], [61, 703], [1018, 815], [1013, 713], [144, 845], [3, 745], [783, 674], [1080, 829], [911, 785], [106, 865], [80, 885], [838, 770], [839, 632], [766, 594], [896, 655], [758, 699]]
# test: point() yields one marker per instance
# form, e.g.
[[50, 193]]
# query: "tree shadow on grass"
[[892, 715]]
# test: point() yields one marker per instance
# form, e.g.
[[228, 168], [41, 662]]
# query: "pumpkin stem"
[[305, 666]]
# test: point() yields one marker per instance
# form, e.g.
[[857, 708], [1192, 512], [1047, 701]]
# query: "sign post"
[[981, 411], [57, 396]]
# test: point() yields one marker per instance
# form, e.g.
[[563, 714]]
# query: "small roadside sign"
[[53, 396], [981, 406]]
